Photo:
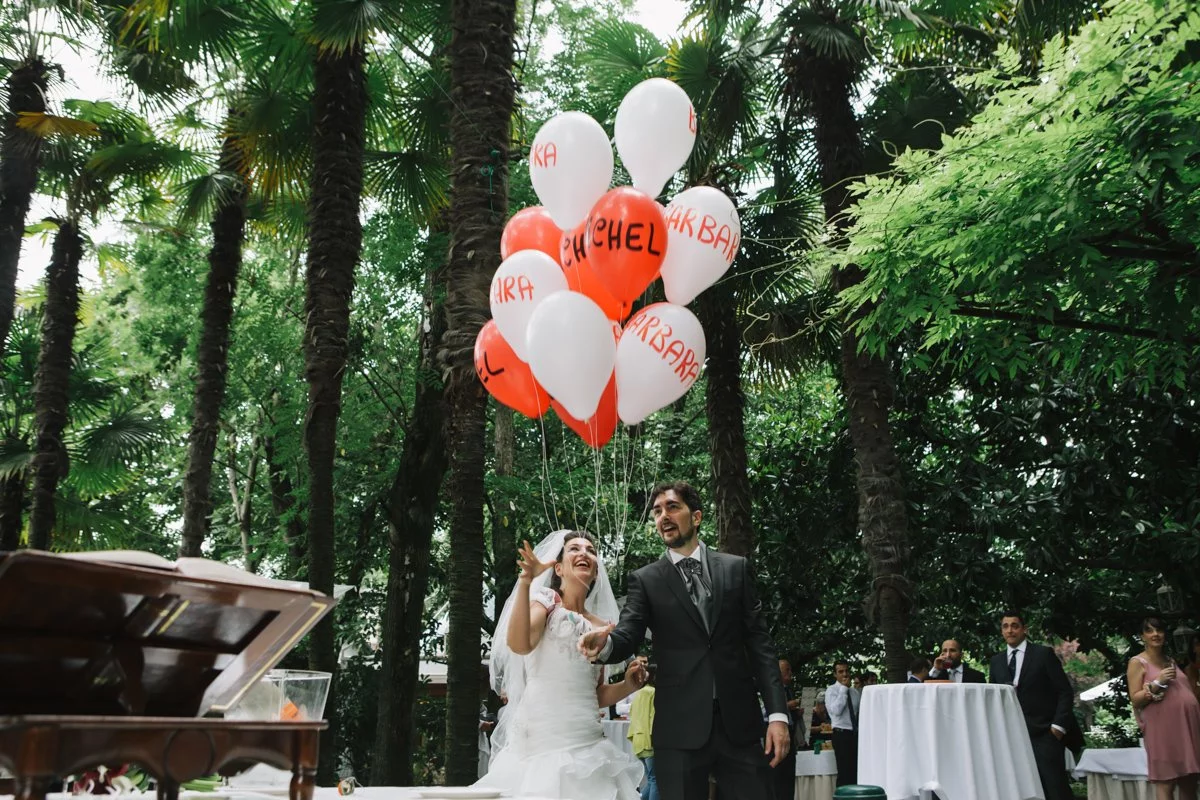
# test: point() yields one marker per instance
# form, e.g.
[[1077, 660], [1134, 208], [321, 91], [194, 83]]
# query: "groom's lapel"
[[675, 582]]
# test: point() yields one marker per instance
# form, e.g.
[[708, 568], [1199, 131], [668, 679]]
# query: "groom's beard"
[[680, 539]]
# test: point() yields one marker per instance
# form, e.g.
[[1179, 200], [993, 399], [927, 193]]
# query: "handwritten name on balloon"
[[544, 155], [659, 337], [705, 229], [616, 234], [511, 288]]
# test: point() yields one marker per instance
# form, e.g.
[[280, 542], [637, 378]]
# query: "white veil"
[[507, 669]]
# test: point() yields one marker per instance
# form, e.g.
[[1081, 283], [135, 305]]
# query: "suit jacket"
[[1045, 694], [970, 675], [736, 658]]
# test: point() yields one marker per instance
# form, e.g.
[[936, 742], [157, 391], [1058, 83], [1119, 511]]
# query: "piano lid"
[[130, 633]]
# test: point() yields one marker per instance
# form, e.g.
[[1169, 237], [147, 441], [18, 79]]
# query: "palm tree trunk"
[[20, 159], [504, 543], [482, 88], [411, 511], [866, 379], [335, 239], [216, 317], [725, 406], [52, 380], [12, 500]]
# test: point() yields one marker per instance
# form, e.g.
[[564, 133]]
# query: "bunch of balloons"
[[572, 268]]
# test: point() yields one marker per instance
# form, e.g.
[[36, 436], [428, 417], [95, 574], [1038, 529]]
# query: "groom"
[[714, 657]]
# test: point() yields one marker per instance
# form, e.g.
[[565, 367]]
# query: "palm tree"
[[482, 91], [108, 436], [89, 175]]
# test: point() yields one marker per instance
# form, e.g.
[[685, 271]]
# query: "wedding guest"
[[918, 670], [641, 723], [841, 699], [820, 718], [949, 666], [1164, 700], [1046, 699]]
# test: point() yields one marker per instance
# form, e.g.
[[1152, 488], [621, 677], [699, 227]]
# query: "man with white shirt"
[[949, 666], [841, 701], [709, 639], [1046, 698]]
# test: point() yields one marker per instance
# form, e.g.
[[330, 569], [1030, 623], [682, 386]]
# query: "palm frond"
[[119, 438], [15, 458], [339, 25], [202, 195], [415, 181], [45, 126], [619, 55]]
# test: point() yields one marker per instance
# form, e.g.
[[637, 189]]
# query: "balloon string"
[[547, 484]]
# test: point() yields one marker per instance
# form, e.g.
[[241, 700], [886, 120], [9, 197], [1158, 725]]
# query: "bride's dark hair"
[[555, 580]]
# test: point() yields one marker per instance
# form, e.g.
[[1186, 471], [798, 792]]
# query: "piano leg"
[[304, 783], [167, 789]]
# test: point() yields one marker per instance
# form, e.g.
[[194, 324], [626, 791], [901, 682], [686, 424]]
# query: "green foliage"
[[1059, 228]]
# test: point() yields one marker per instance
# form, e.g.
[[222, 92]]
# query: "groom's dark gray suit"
[[705, 674]]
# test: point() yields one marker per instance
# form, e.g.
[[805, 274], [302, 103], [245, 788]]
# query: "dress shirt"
[[701, 555], [842, 704], [1020, 649], [954, 675], [1016, 678]]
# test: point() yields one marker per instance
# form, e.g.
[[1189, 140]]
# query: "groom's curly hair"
[[687, 493], [555, 580]]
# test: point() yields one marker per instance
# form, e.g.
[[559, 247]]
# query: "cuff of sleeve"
[[604, 652], [779, 718], [1058, 728]]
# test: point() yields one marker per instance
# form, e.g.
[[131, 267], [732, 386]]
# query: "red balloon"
[[530, 229], [582, 278], [626, 241], [597, 430], [506, 377]]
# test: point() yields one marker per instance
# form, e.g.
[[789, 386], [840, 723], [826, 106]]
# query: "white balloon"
[[655, 131], [571, 351], [520, 284], [659, 357], [703, 234], [571, 166]]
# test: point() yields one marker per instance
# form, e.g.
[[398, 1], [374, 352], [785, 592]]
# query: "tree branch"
[[1074, 323]]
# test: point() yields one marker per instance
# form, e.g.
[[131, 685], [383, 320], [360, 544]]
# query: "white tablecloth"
[[617, 731], [816, 775], [810, 763], [970, 739], [1122, 763]]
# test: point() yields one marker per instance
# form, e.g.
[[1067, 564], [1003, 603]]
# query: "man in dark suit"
[[949, 666], [715, 658], [1046, 698]]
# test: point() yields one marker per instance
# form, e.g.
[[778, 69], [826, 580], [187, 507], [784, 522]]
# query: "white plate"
[[464, 792]]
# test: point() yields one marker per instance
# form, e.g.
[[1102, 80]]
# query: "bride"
[[549, 741]]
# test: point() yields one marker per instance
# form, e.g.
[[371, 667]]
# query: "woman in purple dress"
[[1168, 713]]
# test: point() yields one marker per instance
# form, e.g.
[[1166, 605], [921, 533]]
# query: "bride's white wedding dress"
[[555, 746]]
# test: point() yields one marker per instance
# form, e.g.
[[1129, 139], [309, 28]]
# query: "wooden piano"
[[114, 658]]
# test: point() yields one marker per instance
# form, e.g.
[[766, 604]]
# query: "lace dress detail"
[[556, 746]]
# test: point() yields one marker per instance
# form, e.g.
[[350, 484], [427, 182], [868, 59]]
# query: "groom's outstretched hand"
[[592, 642], [779, 742]]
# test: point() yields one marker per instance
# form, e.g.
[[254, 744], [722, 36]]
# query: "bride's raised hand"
[[528, 563]]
